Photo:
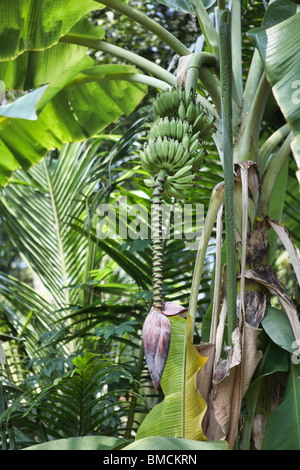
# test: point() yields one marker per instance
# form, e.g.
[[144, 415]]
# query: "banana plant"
[[209, 97]]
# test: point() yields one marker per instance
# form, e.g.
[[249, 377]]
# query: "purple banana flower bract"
[[157, 337]]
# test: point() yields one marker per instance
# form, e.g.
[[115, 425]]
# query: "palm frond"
[[84, 402], [39, 210]]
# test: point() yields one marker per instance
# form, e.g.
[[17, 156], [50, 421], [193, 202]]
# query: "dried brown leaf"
[[266, 276]]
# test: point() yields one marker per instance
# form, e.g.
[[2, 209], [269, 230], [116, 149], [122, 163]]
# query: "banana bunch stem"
[[157, 239], [172, 154]]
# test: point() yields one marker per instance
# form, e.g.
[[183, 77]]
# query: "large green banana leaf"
[[181, 412], [112, 443], [34, 68], [278, 44], [35, 25], [67, 114], [32, 56], [175, 443], [286, 416]]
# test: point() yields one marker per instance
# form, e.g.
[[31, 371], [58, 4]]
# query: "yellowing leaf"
[[195, 405]]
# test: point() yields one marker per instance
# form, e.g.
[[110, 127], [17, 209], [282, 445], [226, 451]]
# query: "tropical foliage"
[[77, 107]]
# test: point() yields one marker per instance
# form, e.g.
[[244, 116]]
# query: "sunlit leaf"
[[173, 443], [72, 115], [28, 25], [277, 42]]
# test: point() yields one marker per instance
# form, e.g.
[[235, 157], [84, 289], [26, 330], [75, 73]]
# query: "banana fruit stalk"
[[172, 154]]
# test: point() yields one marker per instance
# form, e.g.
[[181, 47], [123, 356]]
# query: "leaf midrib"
[[58, 234]]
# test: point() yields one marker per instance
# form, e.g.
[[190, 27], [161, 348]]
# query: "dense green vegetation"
[[74, 297]]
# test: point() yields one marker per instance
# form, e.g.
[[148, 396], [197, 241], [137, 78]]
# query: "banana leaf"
[[285, 417], [278, 44], [28, 25], [34, 68], [80, 443], [67, 114], [174, 443]]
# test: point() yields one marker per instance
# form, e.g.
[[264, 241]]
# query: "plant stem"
[[271, 174], [133, 402], [130, 77], [254, 395], [252, 81], [270, 144], [214, 206], [117, 51], [226, 92], [212, 85], [221, 5], [194, 67], [247, 144], [236, 41], [148, 24]]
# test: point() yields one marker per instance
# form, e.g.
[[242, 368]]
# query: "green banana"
[[199, 122], [158, 147], [198, 160], [149, 182], [175, 192], [181, 172], [181, 93], [151, 154], [178, 154], [173, 127], [186, 141], [175, 140], [156, 108], [181, 110], [185, 157], [167, 100], [154, 130], [185, 179], [172, 149], [159, 108], [167, 127], [208, 128], [175, 99], [170, 192], [179, 129], [182, 185], [165, 148], [187, 129], [195, 137], [193, 146], [191, 112], [150, 168]]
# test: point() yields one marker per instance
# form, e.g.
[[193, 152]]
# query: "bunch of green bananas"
[[175, 140]]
